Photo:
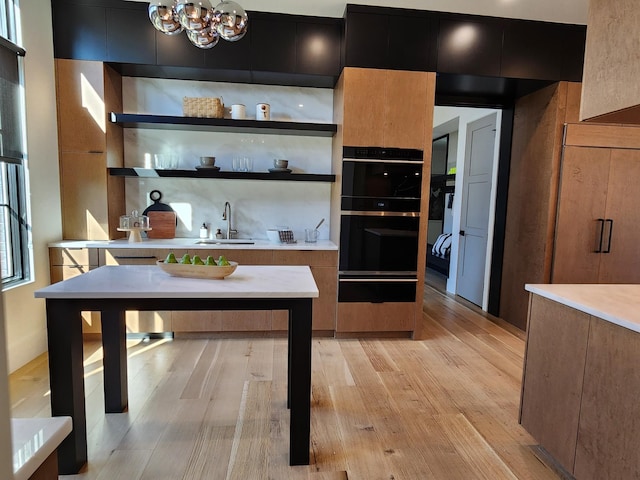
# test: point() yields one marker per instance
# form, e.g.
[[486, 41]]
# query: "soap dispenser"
[[204, 231]]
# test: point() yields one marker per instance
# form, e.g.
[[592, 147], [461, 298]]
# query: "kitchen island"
[[114, 289], [581, 377]]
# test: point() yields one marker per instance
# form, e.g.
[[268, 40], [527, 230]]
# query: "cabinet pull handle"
[[610, 222], [126, 257], [75, 266], [601, 220]]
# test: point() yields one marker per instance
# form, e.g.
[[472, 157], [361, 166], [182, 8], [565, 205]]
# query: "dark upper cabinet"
[[273, 43], [412, 42], [470, 47], [230, 55], [80, 31], [367, 37], [539, 50], [318, 48], [177, 51], [130, 36], [573, 42]]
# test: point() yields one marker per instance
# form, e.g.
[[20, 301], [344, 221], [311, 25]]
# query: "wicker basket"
[[203, 107]]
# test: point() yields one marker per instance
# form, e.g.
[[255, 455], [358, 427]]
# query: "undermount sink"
[[226, 241]]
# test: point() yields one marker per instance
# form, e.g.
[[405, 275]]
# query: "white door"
[[476, 204]]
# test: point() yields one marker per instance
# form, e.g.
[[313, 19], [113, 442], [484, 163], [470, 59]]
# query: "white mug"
[[238, 111], [263, 111]]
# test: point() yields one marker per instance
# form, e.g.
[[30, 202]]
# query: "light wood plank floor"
[[443, 407]]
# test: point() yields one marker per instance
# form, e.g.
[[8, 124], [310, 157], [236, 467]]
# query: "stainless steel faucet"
[[227, 216]]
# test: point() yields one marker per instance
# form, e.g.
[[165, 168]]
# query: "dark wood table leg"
[[114, 345], [66, 380], [299, 376]]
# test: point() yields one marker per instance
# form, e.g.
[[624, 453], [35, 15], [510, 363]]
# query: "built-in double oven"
[[380, 216]]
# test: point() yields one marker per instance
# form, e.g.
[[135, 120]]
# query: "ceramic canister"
[[238, 111], [263, 111]]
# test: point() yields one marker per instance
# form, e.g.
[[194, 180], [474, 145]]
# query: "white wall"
[[6, 461], [24, 315]]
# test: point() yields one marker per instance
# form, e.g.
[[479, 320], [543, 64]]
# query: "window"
[[15, 244]]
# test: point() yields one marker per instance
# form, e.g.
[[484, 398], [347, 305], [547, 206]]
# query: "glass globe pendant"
[[204, 38], [163, 17], [194, 15], [231, 21]]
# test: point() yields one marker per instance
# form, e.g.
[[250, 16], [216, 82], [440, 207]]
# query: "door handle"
[[462, 232], [601, 220], [610, 222]]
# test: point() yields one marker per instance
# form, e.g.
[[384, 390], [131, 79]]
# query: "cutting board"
[[163, 224]]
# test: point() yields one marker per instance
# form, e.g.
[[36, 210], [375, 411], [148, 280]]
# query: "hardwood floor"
[[442, 407]]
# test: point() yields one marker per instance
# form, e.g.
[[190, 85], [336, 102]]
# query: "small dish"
[[212, 167], [279, 170]]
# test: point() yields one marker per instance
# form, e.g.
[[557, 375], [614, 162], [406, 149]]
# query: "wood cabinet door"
[[81, 107], [609, 428], [622, 233], [552, 381], [582, 201], [364, 107], [405, 109], [83, 182]]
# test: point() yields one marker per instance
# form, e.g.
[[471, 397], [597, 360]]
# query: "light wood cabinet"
[[534, 174], [596, 238], [385, 108], [324, 267], [609, 430], [69, 262], [88, 144], [552, 383], [391, 317], [580, 390]]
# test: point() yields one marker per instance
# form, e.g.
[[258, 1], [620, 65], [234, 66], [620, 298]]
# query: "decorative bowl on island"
[[197, 271]]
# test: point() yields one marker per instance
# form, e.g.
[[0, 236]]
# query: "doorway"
[[471, 170]]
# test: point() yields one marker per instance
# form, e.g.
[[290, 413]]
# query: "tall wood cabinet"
[[384, 108], [536, 151], [88, 144], [597, 236]]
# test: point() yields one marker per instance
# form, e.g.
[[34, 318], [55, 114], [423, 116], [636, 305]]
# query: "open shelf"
[[167, 122], [153, 173]]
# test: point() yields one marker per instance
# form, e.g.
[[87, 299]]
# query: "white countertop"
[[618, 304], [33, 440], [149, 281], [192, 244]]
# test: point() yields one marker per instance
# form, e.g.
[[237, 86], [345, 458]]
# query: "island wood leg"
[[114, 345], [66, 379], [299, 380]]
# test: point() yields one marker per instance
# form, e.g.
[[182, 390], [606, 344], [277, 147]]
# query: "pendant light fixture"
[[204, 24]]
